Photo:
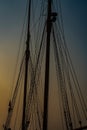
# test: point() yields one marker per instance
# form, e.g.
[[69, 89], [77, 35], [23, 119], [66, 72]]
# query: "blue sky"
[[75, 25]]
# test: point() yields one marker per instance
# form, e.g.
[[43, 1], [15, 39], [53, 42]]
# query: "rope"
[[17, 60]]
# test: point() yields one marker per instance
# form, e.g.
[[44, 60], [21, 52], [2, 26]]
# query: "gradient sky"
[[11, 20], [75, 25]]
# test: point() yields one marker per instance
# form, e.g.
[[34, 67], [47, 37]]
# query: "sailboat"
[[46, 71]]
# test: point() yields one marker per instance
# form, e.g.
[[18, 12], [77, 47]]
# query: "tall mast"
[[27, 53], [47, 66]]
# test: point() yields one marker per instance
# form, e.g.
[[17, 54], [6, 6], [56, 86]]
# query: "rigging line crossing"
[[63, 89], [20, 42], [78, 114], [26, 67], [74, 79], [60, 46], [67, 53], [18, 108], [79, 122], [60, 52], [58, 83], [34, 77], [12, 102]]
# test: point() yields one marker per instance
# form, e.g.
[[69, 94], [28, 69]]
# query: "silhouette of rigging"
[[52, 37]]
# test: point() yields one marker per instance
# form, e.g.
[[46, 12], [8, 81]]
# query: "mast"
[[27, 54], [47, 66]]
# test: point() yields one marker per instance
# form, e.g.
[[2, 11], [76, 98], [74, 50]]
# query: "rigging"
[[52, 35]]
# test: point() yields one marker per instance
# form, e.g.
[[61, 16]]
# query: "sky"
[[75, 19], [11, 19]]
